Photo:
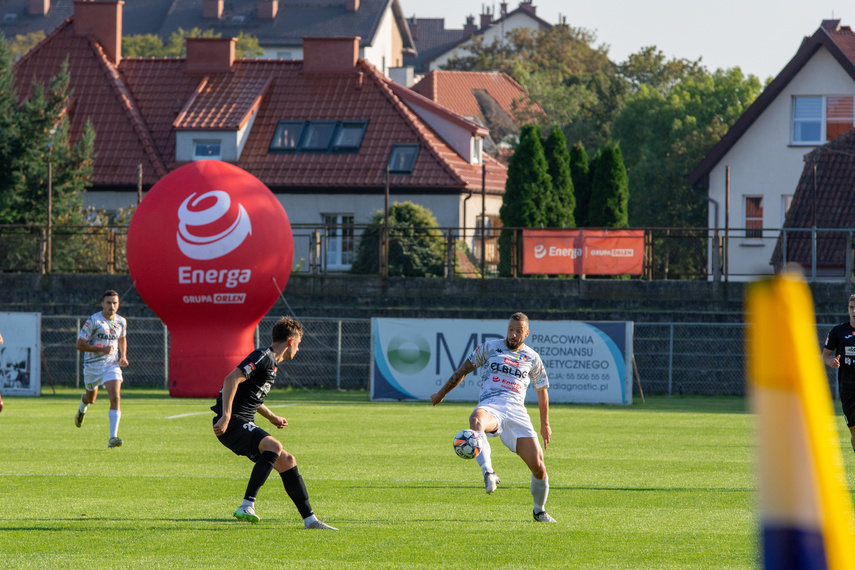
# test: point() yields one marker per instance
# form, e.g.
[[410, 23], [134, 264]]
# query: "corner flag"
[[806, 511]]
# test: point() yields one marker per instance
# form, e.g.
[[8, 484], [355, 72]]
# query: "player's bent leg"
[[482, 420], [529, 450]]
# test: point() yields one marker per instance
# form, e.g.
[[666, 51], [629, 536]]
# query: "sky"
[[758, 36]]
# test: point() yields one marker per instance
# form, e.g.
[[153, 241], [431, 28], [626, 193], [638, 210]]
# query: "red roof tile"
[[137, 107], [455, 90]]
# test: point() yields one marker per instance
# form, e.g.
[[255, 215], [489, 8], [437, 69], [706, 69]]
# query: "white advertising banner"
[[586, 362], [20, 354]]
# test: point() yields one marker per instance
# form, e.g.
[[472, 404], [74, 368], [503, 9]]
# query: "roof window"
[[402, 158], [318, 136]]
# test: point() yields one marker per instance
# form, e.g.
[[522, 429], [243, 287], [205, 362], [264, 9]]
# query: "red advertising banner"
[[583, 252]]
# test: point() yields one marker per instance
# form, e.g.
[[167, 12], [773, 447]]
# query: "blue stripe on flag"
[[786, 548]]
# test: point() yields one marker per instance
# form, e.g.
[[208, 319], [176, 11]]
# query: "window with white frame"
[[207, 150], [786, 202], [753, 217], [819, 119], [340, 242]]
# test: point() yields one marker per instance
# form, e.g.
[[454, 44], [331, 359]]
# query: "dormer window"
[[318, 136], [817, 120], [207, 150], [402, 158]]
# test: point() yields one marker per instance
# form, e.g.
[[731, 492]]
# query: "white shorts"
[[513, 421], [93, 380]]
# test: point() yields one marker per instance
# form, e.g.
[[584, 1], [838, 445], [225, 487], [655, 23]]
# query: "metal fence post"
[[670, 358], [338, 360], [165, 358]]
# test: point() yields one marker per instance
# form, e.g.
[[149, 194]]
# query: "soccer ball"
[[466, 444]]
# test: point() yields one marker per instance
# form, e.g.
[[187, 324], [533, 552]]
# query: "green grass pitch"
[[665, 484]]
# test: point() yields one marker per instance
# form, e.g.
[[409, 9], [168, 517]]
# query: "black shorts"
[[847, 399], [242, 438]]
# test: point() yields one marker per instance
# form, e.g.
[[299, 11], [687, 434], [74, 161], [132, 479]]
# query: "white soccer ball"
[[466, 444]]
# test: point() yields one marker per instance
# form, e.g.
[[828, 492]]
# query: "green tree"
[[150, 45], [665, 135], [579, 171], [609, 189], [558, 166], [651, 68], [416, 245], [528, 192], [22, 43]]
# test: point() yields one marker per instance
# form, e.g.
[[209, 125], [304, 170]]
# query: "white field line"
[[209, 412]]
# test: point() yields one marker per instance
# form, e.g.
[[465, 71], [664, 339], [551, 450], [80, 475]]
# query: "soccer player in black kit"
[[841, 342], [243, 394]]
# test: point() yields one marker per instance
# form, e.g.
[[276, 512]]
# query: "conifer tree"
[[579, 172], [528, 192], [609, 205], [558, 161]]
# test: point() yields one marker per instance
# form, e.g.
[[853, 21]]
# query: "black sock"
[[296, 489], [259, 474]]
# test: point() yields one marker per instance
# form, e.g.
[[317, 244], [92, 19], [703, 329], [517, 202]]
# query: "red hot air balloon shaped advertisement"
[[209, 249]]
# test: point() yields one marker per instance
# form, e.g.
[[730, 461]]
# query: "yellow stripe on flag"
[[784, 364]]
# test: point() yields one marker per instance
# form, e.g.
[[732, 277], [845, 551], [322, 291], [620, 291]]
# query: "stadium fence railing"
[[670, 358]]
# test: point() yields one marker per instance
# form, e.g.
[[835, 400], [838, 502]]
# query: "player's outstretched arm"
[[278, 421], [543, 405], [123, 350], [456, 378]]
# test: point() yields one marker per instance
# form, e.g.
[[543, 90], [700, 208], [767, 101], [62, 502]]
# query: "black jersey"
[[260, 371], [841, 341]]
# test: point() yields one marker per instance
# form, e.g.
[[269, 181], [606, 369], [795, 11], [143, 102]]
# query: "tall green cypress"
[[528, 192], [609, 206], [579, 172], [558, 161]]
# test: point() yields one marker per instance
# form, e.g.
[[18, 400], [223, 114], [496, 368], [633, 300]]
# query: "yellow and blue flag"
[[806, 510]]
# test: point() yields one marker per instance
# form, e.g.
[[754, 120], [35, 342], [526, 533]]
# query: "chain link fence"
[[670, 358]]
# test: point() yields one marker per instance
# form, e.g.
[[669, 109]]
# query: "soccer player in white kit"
[[103, 340], [507, 368]]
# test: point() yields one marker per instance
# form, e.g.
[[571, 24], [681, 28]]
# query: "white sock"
[[115, 416], [83, 407], [483, 458], [309, 520], [247, 503], [539, 492]]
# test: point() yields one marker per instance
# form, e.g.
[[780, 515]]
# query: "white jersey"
[[506, 373], [99, 331]]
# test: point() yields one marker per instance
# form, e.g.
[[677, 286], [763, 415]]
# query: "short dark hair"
[[286, 328], [109, 293], [520, 317]]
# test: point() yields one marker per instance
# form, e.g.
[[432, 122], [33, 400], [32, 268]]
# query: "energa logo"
[[408, 353], [539, 251], [211, 245]]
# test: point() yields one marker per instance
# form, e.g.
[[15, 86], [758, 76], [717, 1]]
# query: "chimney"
[[104, 21], [39, 7], [212, 9], [266, 9], [414, 28], [486, 18], [528, 6], [470, 27], [352, 5], [504, 9], [210, 54], [330, 54]]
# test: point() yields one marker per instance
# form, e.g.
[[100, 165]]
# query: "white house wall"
[[380, 51], [763, 162]]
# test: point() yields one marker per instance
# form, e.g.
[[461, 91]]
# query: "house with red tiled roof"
[[752, 173], [824, 199], [490, 98], [435, 45], [279, 25], [319, 132]]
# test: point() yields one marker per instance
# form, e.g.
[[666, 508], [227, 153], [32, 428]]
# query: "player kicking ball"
[[243, 394], [507, 368]]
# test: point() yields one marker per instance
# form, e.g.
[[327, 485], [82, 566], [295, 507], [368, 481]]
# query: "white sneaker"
[[246, 514], [491, 481], [543, 516], [320, 525]]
